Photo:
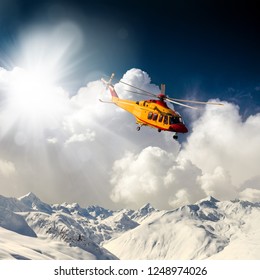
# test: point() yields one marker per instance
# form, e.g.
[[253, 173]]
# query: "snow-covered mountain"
[[83, 229], [209, 229], [32, 229]]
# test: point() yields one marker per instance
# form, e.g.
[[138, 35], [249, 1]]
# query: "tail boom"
[[113, 92]]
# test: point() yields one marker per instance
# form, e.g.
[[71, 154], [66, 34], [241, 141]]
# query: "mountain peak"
[[147, 208], [209, 198], [29, 196], [98, 211], [209, 201], [32, 201], [121, 222], [142, 213]]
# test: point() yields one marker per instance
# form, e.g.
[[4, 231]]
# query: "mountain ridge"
[[205, 229]]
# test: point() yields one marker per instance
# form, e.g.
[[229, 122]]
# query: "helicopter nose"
[[179, 127]]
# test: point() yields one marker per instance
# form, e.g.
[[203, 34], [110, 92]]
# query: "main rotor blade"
[[150, 94], [140, 93], [195, 102], [178, 103]]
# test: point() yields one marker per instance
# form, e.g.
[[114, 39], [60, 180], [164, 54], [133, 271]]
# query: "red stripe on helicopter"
[[112, 91]]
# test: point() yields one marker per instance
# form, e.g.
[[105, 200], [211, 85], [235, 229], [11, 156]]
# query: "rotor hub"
[[161, 96]]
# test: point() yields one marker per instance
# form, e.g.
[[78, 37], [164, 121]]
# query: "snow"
[[245, 237], [63, 227], [208, 229], [33, 202], [120, 222], [14, 222], [13, 204], [16, 246]]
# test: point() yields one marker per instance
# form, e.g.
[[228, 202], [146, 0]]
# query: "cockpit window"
[[174, 120]]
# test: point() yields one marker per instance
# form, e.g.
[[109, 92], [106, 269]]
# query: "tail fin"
[[110, 86]]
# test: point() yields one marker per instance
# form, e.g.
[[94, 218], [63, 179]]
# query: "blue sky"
[[209, 46], [59, 141]]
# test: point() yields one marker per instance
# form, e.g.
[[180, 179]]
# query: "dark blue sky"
[[206, 48]]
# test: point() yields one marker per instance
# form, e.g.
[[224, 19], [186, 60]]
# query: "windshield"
[[174, 120]]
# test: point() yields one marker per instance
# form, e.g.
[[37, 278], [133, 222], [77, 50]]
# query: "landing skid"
[[175, 136], [139, 127]]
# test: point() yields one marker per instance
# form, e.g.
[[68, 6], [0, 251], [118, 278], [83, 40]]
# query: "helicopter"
[[154, 112]]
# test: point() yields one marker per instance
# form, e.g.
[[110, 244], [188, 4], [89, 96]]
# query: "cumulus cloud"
[[138, 178], [184, 179], [52, 140], [250, 194], [225, 148], [93, 154], [219, 158], [70, 157], [218, 184], [8, 174], [82, 137], [7, 168], [139, 79], [250, 189], [157, 176], [220, 138]]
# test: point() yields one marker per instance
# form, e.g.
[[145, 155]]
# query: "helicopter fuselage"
[[154, 113]]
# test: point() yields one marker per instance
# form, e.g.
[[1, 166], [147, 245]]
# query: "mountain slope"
[[21, 247], [13, 204], [63, 227], [34, 203], [207, 229], [82, 228], [14, 222]]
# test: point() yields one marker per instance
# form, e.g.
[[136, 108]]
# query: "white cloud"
[[220, 138], [250, 189], [218, 184], [220, 158], [139, 79], [52, 140], [182, 197], [82, 137], [7, 168], [140, 178], [250, 194], [94, 155], [184, 177], [70, 161], [154, 175]]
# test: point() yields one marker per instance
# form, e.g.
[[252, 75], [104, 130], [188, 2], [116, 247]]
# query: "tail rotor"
[[109, 82]]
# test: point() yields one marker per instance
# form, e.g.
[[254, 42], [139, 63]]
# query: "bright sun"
[[30, 95]]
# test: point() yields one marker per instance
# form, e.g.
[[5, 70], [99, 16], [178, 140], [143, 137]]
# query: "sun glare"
[[33, 97]]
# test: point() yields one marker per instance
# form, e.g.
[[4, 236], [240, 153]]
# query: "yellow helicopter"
[[153, 112]]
